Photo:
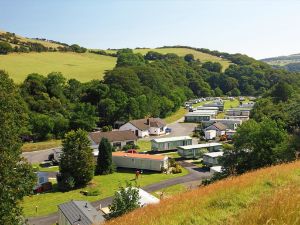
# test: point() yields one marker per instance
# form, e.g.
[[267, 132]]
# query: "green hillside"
[[203, 57], [290, 62], [84, 66]]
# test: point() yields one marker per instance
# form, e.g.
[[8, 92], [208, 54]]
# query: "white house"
[[118, 139], [219, 127], [212, 158], [79, 213], [146, 127], [140, 161]]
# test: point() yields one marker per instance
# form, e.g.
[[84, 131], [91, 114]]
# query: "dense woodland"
[[139, 86]]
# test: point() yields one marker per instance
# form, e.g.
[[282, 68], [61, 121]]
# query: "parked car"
[[131, 151], [168, 130]]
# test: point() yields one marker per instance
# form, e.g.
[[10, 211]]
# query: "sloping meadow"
[[252, 198]]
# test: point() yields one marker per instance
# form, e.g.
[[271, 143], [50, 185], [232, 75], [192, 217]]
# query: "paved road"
[[196, 175], [38, 156]]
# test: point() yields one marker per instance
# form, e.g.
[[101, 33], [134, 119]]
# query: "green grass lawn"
[[83, 67], [36, 146], [38, 167], [107, 185], [144, 145], [176, 115], [170, 191]]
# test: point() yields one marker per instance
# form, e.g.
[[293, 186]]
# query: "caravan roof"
[[178, 138], [206, 145]]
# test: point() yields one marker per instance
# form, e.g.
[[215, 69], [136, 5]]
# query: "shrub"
[[65, 182]]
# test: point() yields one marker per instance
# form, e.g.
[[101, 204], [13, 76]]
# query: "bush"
[[92, 192], [106, 128], [65, 182], [130, 146], [176, 169]]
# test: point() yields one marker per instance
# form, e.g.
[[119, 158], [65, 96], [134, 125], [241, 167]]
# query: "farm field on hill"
[[203, 57], [83, 67], [227, 201]]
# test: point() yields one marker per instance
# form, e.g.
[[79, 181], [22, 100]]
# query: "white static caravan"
[[140, 161], [199, 116], [171, 143], [201, 108], [243, 118], [211, 158], [238, 112], [210, 134], [197, 151], [215, 169]]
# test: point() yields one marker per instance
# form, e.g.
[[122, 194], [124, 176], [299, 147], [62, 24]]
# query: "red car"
[[131, 151]]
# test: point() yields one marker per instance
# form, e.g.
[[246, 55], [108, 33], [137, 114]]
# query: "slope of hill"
[[252, 198], [81, 66], [290, 62], [203, 57]]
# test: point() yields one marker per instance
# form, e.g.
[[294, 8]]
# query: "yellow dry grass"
[[215, 203]]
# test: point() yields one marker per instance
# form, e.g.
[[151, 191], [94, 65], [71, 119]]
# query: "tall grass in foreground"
[[215, 203], [283, 207]]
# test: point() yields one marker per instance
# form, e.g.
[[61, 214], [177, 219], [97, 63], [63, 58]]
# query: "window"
[[41, 180], [130, 143], [117, 144]]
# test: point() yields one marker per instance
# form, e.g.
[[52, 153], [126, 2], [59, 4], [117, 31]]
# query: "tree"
[[41, 126], [212, 66], [83, 117], [77, 160], [257, 145], [282, 91], [5, 48], [104, 160], [189, 58], [125, 200], [17, 177]]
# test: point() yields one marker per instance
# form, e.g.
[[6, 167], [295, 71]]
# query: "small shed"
[[219, 127], [140, 161], [212, 158], [197, 151], [210, 134], [171, 143]]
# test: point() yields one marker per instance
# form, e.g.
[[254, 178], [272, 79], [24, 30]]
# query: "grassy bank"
[[107, 185], [83, 67], [230, 198], [37, 146], [176, 115]]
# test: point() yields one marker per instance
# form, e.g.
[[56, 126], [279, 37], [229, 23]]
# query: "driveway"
[[195, 176], [38, 156]]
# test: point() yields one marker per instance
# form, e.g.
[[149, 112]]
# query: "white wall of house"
[[129, 126], [157, 130]]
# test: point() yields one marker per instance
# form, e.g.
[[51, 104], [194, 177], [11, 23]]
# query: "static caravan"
[[218, 104], [243, 118], [140, 161], [207, 108], [215, 169], [164, 144], [212, 158], [199, 116], [197, 151], [238, 112]]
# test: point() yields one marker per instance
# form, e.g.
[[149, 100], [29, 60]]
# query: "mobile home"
[[197, 151], [199, 116], [171, 143], [238, 112], [140, 161], [212, 158]]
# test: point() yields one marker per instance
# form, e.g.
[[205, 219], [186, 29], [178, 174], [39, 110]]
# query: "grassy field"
[[266, 196], [107, 185], [36, 146], [170, 191], [83, 67], [203, 57], [176, 115]]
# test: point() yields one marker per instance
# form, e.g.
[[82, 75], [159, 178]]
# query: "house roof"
[[139, 156], [81, 213], [145, 124], [112, 136], [177, 138], [220, 126]]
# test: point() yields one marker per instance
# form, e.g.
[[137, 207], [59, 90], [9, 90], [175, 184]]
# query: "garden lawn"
[[176, 115], [145, 145], [107, 185], [45, 169], [37, 146]]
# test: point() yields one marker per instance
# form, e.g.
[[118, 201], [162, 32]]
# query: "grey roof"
[[81, 213], [118, 135]]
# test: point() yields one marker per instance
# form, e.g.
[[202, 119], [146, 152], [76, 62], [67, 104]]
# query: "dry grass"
[[37, 146], [176, 115], [282, 207], [215, 203]]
